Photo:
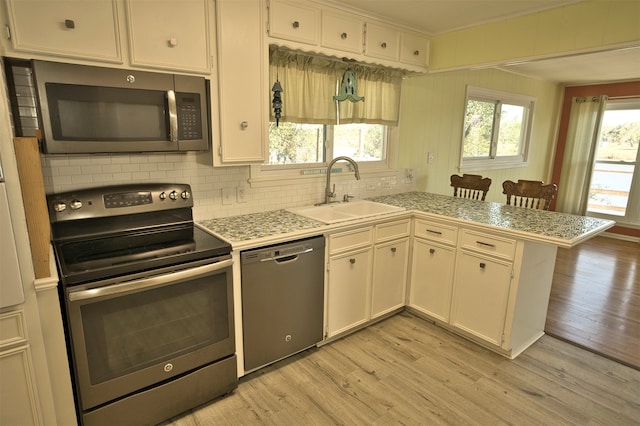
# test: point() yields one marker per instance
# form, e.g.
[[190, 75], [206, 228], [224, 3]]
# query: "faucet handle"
[[332, 194], [347, 197]]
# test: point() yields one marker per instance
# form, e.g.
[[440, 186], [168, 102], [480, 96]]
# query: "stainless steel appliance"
[[87, 109], [282, 300], [147, 300]]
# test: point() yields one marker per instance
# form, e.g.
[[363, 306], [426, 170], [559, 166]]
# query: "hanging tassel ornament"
[[277, 101], [349, 88]]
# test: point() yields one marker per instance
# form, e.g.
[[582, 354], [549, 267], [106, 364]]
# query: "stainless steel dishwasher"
[[282, 300]]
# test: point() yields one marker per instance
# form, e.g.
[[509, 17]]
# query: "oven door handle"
[[143, 283]]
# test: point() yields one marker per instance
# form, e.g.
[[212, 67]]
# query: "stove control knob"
[[75, 204], [59, 206], [173, 195], [163, 195], [185, 195]]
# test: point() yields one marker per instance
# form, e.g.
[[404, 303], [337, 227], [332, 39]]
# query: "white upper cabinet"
[[414, 50], [243, 96], [342, 32], [68, 28], [172, 34], [382, 42], [295, 22]]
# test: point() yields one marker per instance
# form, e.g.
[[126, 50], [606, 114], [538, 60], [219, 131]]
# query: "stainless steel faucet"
[[329, 191]]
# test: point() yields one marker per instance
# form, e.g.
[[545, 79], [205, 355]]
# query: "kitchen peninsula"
[[480, 269]]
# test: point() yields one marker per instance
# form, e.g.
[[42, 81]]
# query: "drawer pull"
[[343, 36], [432, 250], [482, 265], [393, 249], [295, 24], [486, 244], [416, 52], [434, 232], [69, 23], [352, 261], [383, 45]]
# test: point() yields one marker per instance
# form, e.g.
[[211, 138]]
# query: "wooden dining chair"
[[531, 194], [474, 187]]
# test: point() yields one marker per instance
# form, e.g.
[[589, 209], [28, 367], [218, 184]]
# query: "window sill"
[[262, 179]]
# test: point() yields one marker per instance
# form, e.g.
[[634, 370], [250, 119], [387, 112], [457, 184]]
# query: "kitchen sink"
[[340, 212]]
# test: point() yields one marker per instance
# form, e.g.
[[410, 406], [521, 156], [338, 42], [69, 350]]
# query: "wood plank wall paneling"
[[405, 370]]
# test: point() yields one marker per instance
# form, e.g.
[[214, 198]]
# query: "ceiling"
[[441, 16]]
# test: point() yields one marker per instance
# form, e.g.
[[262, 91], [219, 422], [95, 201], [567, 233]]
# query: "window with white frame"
[[314, 128], [496, 130]]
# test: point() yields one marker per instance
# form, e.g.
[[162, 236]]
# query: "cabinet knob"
[[343, 36], [352, 261], [69, 23], [416, 52], [432, 250], [172, 42], [383, 44], [295, 24], [244, 125], [482, 265], [393, 249]]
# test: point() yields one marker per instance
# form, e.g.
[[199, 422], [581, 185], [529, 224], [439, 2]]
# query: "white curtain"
[[582, 137], [310, 82]]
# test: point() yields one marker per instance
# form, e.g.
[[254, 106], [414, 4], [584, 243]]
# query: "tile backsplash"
[[217, 192]]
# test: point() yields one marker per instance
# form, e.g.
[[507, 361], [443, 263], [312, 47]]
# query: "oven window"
[[128, 333]]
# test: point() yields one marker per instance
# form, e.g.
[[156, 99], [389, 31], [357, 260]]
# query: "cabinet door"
[[480, 296], [432, 278], [295, 22], [382, 42], [241, 67], [389, 276], [348, 291], [342, 32], [72, 28], [414, 50], [169, 34]]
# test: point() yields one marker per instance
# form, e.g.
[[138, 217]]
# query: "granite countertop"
[[562, 229]]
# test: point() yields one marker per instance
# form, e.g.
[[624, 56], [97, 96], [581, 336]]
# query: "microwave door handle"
[[173, 116], [145, 283]]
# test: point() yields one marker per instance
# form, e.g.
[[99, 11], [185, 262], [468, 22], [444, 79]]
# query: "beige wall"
[[581, 27], [432, 111]]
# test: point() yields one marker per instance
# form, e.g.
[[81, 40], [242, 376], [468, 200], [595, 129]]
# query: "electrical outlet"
[[241, 194], [227, 194]]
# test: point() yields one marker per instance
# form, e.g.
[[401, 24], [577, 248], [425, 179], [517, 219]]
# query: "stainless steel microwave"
[[86, 109]]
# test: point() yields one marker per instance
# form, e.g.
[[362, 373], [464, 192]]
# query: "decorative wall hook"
[[348, 88]]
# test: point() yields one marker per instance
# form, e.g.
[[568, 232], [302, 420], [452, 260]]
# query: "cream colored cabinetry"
[[294, 21], [367, 274], [342, 32], [434, 253], [414, 49], [349, 284], [170, 35], [243, 97], [18, 403], [390, 261], [382, 42], [73, 28]]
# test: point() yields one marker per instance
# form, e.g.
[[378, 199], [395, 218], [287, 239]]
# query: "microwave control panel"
[[189, 117]]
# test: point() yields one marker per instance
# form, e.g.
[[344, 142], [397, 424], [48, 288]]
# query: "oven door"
[[129, 336]]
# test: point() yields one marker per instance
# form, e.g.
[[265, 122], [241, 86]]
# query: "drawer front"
[[488, 244], [291, 21], [392, 230], [435, 231], [342, 32], [12, 328], [350, 240], [414, 50]]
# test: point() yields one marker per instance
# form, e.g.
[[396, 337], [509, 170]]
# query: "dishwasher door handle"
[[287, 257]]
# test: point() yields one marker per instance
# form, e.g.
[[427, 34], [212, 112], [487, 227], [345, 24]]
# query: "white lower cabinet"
[[367, 274], [480, 297]]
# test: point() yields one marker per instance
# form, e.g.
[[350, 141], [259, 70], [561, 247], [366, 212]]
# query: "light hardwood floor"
[[405, 370], [595, 298]]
